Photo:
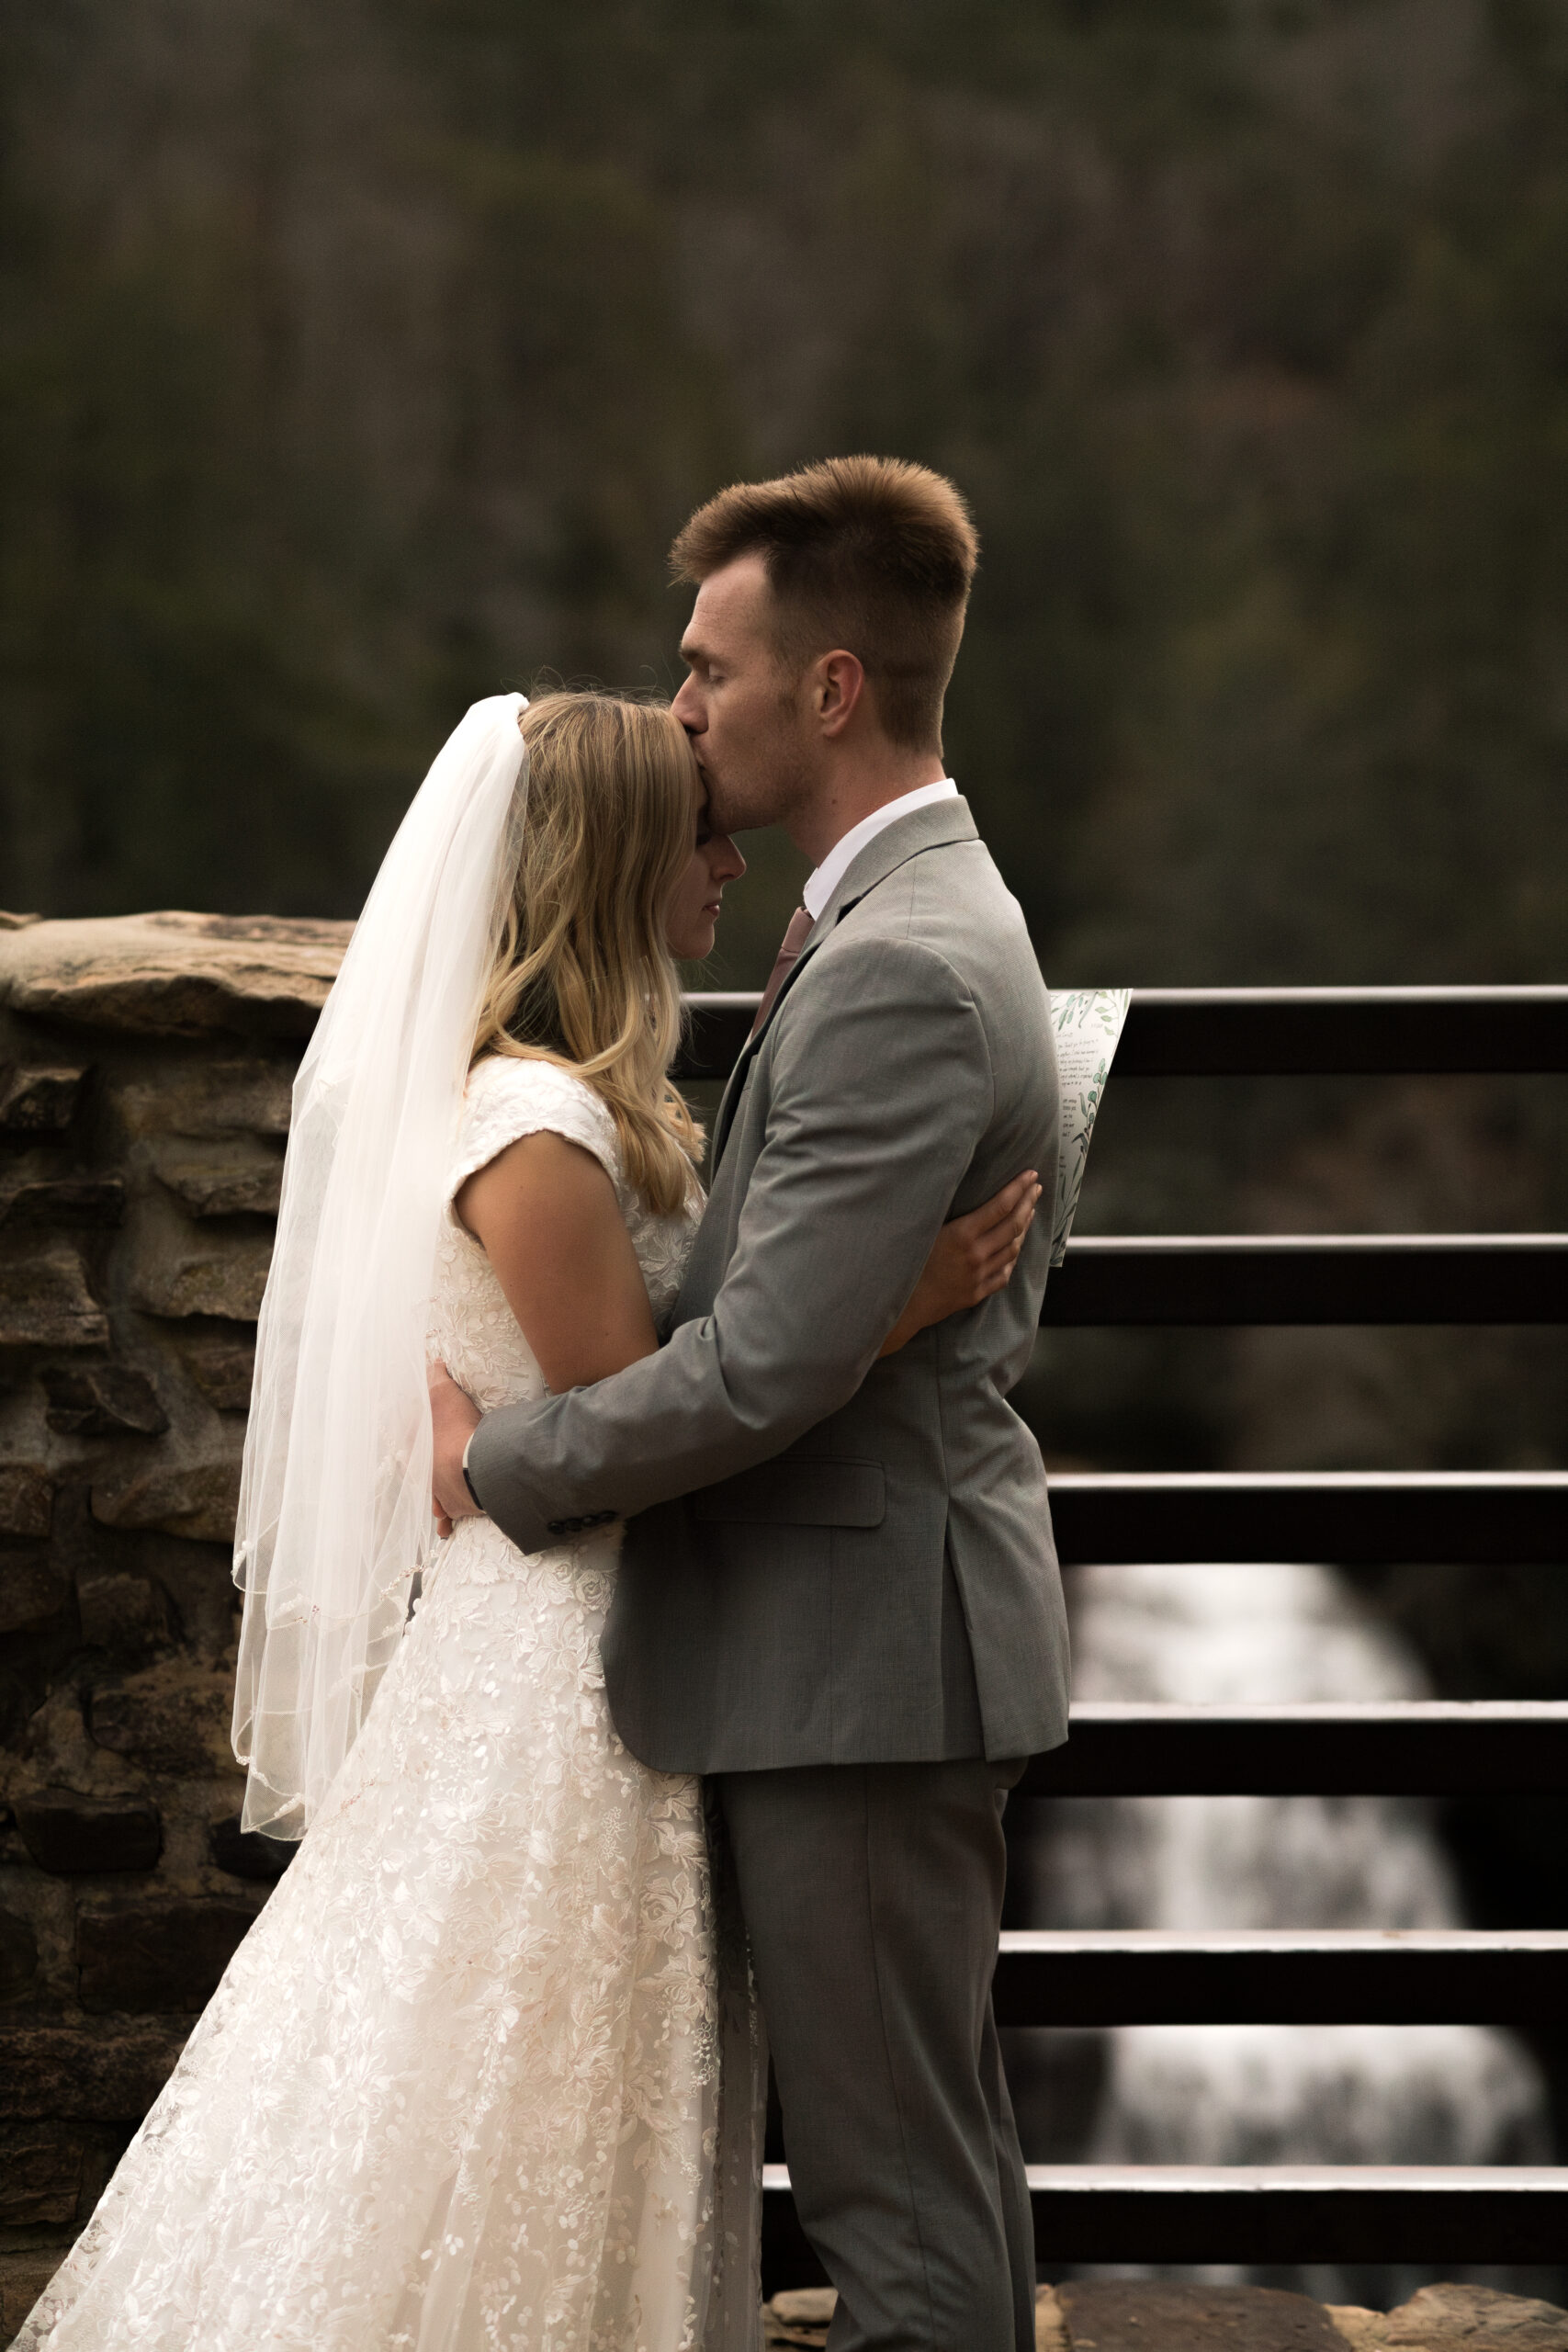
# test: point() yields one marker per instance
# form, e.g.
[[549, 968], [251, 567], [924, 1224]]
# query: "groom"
[[838, 1597]]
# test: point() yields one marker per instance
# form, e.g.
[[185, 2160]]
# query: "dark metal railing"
[[1302, 1976], [1255, 2213], [1354, 1517], [1270, 1033], [1291, 2213], [1311, 1278], [1430, 1747]]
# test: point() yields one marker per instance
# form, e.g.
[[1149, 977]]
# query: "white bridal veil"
[[334, 1500]]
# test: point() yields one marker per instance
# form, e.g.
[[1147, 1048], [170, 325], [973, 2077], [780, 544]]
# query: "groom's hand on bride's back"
[[453, 1418], [972, 1257]]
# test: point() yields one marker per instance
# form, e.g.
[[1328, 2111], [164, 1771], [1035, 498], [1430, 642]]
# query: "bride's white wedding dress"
[[485, 2073]]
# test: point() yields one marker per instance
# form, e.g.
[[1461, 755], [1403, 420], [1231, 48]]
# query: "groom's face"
[[745, 715]]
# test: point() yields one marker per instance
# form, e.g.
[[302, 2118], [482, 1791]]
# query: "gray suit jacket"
[[831, 1559]]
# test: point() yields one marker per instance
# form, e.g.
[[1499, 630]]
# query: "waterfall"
[[1252, 2094]]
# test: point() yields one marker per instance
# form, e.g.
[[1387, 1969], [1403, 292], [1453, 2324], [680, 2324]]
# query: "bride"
[[486, 2071]]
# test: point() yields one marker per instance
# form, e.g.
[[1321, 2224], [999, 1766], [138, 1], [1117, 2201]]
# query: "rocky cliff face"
[[146, 1068]]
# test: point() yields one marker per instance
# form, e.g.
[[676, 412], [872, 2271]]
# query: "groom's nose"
[[687, 707]]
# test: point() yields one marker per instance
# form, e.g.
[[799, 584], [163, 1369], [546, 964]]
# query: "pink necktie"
[[794, 939]]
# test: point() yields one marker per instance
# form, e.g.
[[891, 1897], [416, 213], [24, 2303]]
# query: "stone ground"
[[1110, 2315], [1113, 2315]]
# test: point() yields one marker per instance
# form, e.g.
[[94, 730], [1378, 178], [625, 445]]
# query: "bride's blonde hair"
[[583, 976]]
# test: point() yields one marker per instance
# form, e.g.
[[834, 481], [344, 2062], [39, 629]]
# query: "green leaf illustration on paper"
[[1088, 1026]]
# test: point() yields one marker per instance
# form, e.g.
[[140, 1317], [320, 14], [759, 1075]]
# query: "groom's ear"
[[838, 685]]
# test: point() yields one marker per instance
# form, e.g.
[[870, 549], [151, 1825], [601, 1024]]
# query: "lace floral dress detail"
[[485, 2076]]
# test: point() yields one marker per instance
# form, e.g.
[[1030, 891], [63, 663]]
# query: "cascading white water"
[[1253, 2094]]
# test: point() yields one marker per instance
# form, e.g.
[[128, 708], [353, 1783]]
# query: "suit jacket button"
[[554, 1527]]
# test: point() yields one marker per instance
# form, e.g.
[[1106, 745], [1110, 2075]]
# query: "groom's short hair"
[[872, 554]]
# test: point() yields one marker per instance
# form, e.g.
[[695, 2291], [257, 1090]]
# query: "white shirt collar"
[[820, 886]]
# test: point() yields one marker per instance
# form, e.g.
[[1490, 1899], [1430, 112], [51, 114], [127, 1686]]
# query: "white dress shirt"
[[821, 884]]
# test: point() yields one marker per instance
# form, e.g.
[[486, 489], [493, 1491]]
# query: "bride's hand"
[[973, 1257]]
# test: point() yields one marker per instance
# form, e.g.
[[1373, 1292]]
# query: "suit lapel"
[[933, 827], [729, 1098]]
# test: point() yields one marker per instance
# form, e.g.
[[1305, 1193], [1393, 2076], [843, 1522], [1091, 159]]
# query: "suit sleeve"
[[880, 1091]]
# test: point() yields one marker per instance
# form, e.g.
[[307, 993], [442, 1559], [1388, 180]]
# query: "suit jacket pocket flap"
[[798, 1490]]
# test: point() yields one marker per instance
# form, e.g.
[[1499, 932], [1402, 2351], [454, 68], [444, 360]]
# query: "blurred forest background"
[[357, 361]]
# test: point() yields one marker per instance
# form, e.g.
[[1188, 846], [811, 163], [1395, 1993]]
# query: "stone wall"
[[145, 1067]]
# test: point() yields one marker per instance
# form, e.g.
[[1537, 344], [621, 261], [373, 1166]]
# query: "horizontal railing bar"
[[1308, 2214], [1419, 1748], [1442, 2214], [1186, 1033], [718, 1021], [1350, 1518], [1315, 1976], [1178, 1033], [1311, 1278]]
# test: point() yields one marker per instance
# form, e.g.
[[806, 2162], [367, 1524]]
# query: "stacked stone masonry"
[[145, 1070]]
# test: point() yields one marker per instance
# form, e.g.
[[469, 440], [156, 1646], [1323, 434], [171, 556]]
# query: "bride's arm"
[[547, 1218], [544, 1213]]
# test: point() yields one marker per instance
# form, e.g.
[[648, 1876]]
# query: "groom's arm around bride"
[[838, 1593]]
